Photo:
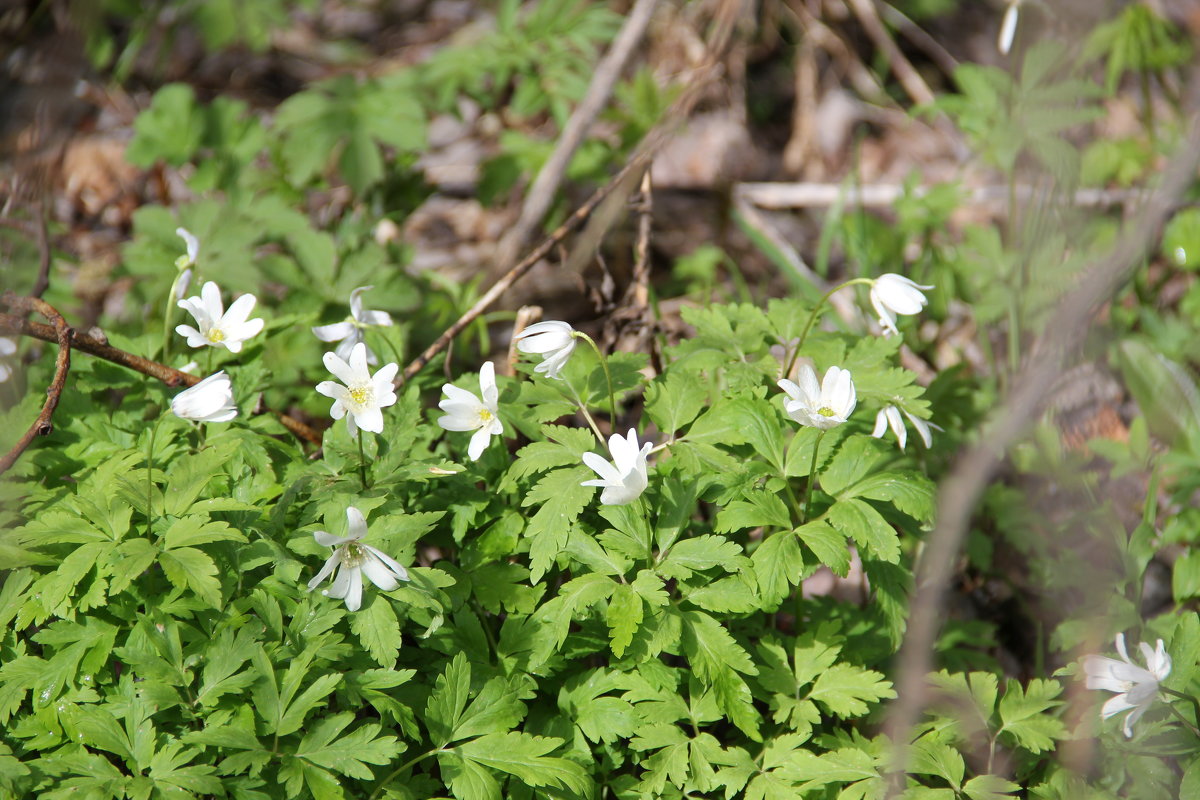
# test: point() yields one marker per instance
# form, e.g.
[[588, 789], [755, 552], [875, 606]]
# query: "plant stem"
[[1171, 707], [407, 764], [1195, 702], [362, 461], [150, 479], [813, 318], [812, 477], [612, 398], [583, 408]]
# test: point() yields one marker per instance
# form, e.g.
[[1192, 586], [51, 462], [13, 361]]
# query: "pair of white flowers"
[[466, 411], [829, 403]]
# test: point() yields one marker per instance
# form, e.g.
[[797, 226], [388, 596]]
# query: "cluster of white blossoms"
[[1136, 687]]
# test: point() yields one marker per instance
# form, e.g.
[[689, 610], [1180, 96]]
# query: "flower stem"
[[813, 318], [583, 408], [812, 478], [612, 398], [150, 479], [1195, 702], [1171, 707], [362, 461], [391, 775]]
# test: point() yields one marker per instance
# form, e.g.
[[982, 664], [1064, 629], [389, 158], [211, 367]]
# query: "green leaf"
[[198, 529], [827, 544], [850, 691], [701, 553], [1024, 717], [736, 594], [524, 757], [624, 615], [717, 658], [170, 129], [349, 754], [931, 757], [675, 400], [910, 492], [777, 566], [855, 459], [563, 498], [993, 787], [857, 520], [759, 509], [496, 708], [378, 629], [189, 568]]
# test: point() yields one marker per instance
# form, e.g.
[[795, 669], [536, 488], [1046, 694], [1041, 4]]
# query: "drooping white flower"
[[218, 327], [350, 331], [8, 348], [625, 478], [893, 294], [466, 412], [1136, 687], [193, 248], [355, 559], [1008, 27], [555, 341], [889, 416], [210, 400], [364, 396], [821, 406]]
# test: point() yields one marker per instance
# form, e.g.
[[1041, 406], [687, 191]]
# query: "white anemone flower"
[[893, 294], [193, 248], [554, 340], [1136, 687], [1008, 27], [355, 559], [8, 348], [821, 406], [349, 332], [210, 400], [466, 412], [625, 478], [219, 327], [362, 400], [889, 416]]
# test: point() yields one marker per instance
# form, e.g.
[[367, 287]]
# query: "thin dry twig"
[[960, 491], [914, 85], [97, 346], [545, 186], [639, 161], [43, 425], [816, 195]]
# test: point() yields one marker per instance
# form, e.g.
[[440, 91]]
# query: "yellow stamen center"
[[354, 555], [216, 335], [826, 411], [361, 394], [485, 416]]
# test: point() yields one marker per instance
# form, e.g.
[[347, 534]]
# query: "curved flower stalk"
[[889, 417], [466, 412], [349, 332], [1136, 687], [210, 400], [362, 400], [625, 477], [218, 327], [355, 559], [893, 294], [185, 263], [821, 406], [554, 340]]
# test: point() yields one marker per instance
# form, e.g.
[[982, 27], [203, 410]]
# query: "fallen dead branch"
[[818, 195], [43, 425], [93, 345]]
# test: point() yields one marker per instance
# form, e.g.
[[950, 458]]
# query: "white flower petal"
[[335, 332]]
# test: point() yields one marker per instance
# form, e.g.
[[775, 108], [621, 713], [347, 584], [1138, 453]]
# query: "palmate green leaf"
[[1024, 717], [701, 553], [563, 447], [192, 569], [857, 769], [857, 520], [759, 424], [197, 529], [171, 771], [855, 460], [993, 787], [282, 705], [522, 756], [890, 586], [325, 746], [759, 509], [931, 757], [777, 565], [127, 561], [563, 498], [675, 401], [574, 596], [225, 654], [12, 771], [297, 774], [850, 691], [736, 594], [717, 659], [448, 716], [378, 629], [910, 492], [623, 616], [980, 689], [827, 544], [670, 764]]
